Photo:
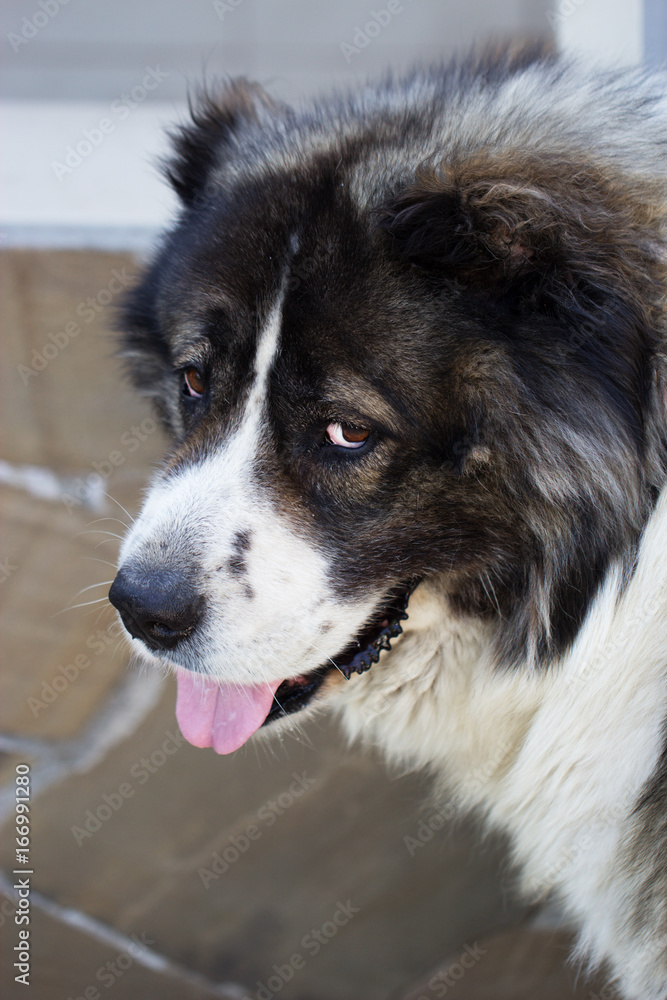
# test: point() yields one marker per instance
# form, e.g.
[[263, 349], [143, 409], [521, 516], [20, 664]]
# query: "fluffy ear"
[[200, 145], [458, 231], [564, 234]]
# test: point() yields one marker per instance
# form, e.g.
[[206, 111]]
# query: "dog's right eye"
[[194, 383], [347, 436]]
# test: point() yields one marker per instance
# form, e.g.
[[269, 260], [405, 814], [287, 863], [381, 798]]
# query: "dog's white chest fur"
[[553, 759], [417, 338]]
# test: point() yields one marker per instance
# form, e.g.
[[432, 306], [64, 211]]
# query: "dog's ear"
[[476, 233], [203, 143], [561, 234]]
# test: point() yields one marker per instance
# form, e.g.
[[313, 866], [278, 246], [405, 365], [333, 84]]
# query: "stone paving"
[[158, 870]]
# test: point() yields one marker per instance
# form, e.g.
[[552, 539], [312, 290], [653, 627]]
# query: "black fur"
[[503, 305]]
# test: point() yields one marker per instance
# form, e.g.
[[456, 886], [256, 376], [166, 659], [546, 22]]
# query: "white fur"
[[545, 109], [557, 760], [277, 613]]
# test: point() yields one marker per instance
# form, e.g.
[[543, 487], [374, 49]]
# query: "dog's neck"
[[555, 759]]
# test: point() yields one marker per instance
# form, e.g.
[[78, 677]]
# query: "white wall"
[[96, 49], [66, 70], [655, 31], [621, 31]]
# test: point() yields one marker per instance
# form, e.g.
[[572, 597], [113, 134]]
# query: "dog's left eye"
[[194, 384], [346, 436]]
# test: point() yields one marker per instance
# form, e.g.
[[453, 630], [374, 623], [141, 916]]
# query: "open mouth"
[[357, 657], [224, 716]]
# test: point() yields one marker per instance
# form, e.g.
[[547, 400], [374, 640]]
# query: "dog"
[[410, 345]]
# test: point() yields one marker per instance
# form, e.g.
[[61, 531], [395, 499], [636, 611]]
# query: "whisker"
[[99, 520], [102, 583], [97, 559], [299, 736], [101, 612], [97, 531], [117, 646], [120, 505], [90, 611], [85, 604], [326, 657]]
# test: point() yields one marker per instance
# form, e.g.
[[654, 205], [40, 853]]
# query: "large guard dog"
[[411, 347]]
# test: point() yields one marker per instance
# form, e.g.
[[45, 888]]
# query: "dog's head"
[[388, 361]]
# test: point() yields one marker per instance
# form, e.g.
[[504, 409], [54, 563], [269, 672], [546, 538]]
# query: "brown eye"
[[193, 383], [346, 436]]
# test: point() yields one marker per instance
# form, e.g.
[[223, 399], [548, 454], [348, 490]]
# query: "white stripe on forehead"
[[267, 349], [268, 341], [226, 471]]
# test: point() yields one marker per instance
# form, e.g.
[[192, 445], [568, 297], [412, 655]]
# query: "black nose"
[[160, 608]]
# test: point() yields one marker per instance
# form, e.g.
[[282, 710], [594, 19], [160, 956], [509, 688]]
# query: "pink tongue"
[[219, 715]]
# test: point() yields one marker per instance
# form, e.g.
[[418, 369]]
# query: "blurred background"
[[158, 870]]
